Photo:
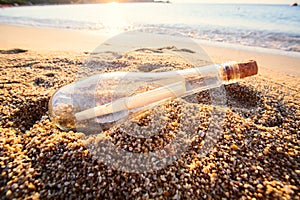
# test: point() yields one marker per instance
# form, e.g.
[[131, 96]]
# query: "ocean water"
[[268, 26]]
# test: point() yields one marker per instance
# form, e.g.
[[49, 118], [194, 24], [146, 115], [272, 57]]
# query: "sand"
[[255, 153], [46, 39]]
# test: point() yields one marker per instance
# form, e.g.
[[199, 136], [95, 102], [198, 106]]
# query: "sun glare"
[[114, 21]]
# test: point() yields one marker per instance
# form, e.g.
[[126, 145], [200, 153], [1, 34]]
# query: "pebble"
[[8, 193], [234, 147], [31, 186]]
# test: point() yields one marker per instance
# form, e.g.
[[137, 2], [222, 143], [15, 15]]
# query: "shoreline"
[[52, 39]]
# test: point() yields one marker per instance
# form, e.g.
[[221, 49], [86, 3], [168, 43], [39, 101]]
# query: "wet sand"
[[255, 135]]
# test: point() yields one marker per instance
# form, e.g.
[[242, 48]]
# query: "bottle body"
[[123, 93]]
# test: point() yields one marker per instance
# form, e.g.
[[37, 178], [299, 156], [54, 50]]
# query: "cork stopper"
[[248, 68], [234, 71]]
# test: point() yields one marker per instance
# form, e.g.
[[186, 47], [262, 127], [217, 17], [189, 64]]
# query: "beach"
[[255, 154]]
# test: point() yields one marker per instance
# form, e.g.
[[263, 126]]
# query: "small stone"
[[30, 170], [244, 176], [31, 186], [166, 193], [235, 147], [260, 186], [8, 193], [163, 178], [259, 195], [227, 137]]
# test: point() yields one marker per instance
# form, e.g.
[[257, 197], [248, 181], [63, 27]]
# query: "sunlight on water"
[[271, 26], [113, 19]]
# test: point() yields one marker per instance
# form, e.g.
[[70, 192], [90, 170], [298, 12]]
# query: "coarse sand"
[[255, 156]]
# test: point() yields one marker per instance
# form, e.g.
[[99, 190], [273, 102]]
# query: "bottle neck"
[[229, 72]]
